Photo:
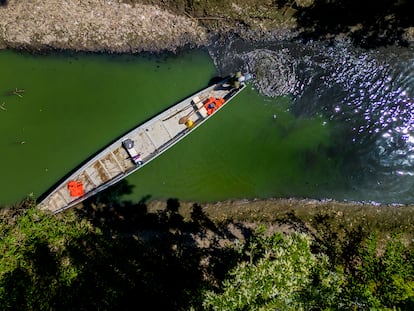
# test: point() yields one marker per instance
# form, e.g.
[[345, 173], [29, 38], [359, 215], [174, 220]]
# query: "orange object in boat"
[[212, 104], [210, 100], [219, 102], [75, 188]]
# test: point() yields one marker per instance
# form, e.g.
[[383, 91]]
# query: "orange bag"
[[75, 188]]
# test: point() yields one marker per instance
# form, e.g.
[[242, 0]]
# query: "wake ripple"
[[274, 71], [366, 95]]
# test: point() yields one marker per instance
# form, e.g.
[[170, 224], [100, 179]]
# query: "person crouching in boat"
[[138, 159], [238, 80]]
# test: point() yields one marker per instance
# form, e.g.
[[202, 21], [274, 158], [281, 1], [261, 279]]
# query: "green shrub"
[[282, 274], [35, 266]]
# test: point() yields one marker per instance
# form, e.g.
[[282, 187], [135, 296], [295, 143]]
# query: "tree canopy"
[[125, 257]]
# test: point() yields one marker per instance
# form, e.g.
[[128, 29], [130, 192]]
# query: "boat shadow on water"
[[216, 80], [156, 135]]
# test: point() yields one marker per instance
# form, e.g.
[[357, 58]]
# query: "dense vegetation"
[[113, 256], [286, 273]]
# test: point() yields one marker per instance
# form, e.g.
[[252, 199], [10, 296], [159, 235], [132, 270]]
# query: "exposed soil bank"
[[157, 25], [237, 218], [134, 25], [94, 25], [384, 217]]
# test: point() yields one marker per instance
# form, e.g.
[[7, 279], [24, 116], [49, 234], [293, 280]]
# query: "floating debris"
[[16, 91], [2, 106]]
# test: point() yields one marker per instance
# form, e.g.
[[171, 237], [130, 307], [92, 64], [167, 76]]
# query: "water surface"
[[317, 121], [74, 105], [365, 95]]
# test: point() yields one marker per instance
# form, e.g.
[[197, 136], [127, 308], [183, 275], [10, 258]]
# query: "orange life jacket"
[[212, 104], [75, 188]]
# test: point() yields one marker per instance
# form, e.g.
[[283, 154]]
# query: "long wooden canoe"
[[141, 145]]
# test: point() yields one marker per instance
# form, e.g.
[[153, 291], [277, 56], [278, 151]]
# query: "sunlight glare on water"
[[75, 105], [367, 96], [317, 121]]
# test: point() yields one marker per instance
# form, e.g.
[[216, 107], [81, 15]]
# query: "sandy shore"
[[95, 25]]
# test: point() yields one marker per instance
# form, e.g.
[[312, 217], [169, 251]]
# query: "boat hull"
[[139, 146]]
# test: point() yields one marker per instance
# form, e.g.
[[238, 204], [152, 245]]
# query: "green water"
[[74, 105]]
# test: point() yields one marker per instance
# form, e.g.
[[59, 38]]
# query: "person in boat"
[[211, 105], [138, 159], [238, 80]]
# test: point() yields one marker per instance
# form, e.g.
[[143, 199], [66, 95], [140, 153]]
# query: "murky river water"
[[317, 121], [366, 96]]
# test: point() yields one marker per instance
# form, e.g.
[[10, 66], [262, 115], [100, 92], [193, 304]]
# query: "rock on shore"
[[94, 25]]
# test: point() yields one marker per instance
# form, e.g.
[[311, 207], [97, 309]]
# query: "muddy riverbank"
[[95, 25], [133, 26]]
